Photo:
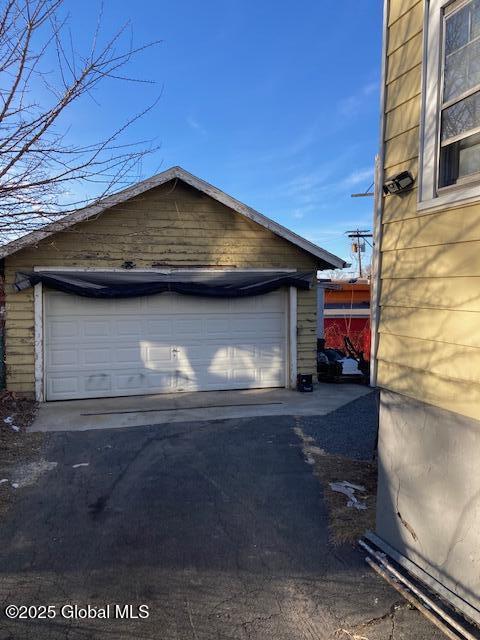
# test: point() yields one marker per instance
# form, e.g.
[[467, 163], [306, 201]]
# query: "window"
[[460, 101], [450, 142]]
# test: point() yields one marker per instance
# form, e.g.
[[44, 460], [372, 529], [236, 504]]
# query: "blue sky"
[[274, 102]]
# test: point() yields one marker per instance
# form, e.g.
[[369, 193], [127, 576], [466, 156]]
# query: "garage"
[[169, 285], [163, 343]]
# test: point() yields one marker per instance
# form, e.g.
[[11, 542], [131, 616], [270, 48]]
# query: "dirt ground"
[[346, 523], [20, 451]]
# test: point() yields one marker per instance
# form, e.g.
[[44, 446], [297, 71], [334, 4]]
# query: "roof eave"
[[329, 259]]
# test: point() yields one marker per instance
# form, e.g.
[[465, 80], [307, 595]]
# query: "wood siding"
[[429, 342], [172, 225]]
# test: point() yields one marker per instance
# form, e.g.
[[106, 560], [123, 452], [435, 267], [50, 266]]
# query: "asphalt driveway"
[[219, 527]]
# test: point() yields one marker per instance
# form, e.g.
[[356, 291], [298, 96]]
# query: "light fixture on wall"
[[398, 184]]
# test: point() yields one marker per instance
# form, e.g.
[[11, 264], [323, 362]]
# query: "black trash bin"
[[304, 382]]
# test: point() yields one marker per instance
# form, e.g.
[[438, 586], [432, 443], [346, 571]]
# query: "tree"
[[40, 168]]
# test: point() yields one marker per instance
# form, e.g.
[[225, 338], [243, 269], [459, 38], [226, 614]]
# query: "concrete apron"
[[108, 413]]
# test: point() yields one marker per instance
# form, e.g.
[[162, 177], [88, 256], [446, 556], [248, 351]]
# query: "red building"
[[347, 313]]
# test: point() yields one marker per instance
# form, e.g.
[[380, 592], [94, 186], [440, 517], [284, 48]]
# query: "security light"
[[399, 184]]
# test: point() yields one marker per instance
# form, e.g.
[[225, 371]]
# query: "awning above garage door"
[[130, 284]]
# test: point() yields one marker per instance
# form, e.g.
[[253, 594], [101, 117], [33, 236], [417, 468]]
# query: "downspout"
[[378, 207]]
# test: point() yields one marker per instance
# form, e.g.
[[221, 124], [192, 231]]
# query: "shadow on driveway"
[[220, 528]]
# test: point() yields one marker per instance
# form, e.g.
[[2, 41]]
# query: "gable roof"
[[331, 261]]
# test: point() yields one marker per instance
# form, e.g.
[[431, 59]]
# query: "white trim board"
[[175, 173], [376, 280], [292, 335], [320, 312], [39, 342]]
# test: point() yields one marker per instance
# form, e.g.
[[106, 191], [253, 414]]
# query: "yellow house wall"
[[429, 329], [170, 225]]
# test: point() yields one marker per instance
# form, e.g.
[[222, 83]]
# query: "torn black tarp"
[[130, 284]]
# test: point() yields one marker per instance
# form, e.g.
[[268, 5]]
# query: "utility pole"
[[358, 246]]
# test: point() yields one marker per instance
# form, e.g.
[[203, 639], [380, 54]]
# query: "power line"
[[359, 234]]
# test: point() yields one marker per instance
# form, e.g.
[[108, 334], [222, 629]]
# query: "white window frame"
[[429, 194]]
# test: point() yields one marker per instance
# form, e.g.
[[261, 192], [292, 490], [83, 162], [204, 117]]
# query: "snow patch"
[[29, 473], [348, 489], [9, 420]]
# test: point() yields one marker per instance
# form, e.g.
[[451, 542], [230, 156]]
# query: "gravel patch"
[[348, 431]]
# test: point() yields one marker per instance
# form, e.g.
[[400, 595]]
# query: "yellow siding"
[[399, 8], [404, 206], [462, 294], [167, 226], [406, 27], [449, 260], [429, 342], [454, 225], [436, 325], [462, 397], [452, 361], [404, 88], [402, 118], [405, 58], [401, 148]]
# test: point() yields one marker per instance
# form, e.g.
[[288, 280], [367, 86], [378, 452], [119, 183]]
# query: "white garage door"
[[162, 344]]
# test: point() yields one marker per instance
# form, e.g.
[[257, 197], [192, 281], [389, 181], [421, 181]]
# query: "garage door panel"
[[264, 325], [162, 344], [63, 357], [189, 328], [161, 380], [100, 357], [155, 305], [245, 375], [243, 352], [131, 381], [274, 301], [269, 352], [158, 328], [270, 378], [96, 328], [128, 356], [157, 355], [214, 353], [63, 329], [129, 327], [57, 304], [63, 386], [217, 327], [98, 382]]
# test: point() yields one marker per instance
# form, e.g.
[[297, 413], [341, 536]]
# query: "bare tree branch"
[[39, 168]]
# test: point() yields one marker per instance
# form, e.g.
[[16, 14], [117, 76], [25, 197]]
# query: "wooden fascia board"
[[155, 181]]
